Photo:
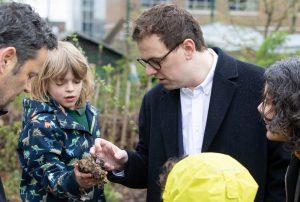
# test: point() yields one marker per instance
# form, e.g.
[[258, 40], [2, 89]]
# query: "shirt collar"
[[79, 111]]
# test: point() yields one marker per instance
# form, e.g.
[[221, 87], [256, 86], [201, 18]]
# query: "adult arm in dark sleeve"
[[277, 164]]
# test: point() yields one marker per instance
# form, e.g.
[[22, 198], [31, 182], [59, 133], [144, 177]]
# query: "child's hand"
[[85, 180]]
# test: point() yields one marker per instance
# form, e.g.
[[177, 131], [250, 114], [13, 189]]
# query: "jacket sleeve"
[[278, 161], [41, 159]]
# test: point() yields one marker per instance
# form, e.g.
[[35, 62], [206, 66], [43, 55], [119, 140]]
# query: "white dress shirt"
[[194, 110]]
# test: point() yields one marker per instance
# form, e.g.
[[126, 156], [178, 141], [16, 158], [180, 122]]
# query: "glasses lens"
[[142, 62], [154, 64]]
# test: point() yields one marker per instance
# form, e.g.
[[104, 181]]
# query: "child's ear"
[[6, 54]]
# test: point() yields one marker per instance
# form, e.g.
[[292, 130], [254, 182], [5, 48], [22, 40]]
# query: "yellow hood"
[[209, 177]]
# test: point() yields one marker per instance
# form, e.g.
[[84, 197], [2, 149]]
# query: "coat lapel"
[[223, 90], [169, 121]]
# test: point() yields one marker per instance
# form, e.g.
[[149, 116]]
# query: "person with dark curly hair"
[[25, 39], [280, 109]]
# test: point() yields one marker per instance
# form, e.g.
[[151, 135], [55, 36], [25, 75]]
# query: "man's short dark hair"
[[21, 27], [171, 24]]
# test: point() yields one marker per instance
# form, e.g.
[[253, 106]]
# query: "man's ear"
[[6, 54], [189, 48]]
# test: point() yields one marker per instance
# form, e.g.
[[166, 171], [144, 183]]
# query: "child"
[[207, 177], [280, 109], [59, 127]]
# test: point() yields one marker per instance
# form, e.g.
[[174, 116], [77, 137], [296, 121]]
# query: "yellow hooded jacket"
[[209, 177]]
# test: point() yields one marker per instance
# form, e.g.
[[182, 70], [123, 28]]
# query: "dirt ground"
[[131, 195]]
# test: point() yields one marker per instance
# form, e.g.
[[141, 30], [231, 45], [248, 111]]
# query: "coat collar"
[[41, 111], [67, 122], [226, 65], [223, 89]]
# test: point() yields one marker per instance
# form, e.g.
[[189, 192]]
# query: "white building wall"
[[68, 11]]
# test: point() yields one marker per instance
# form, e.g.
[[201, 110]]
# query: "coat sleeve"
[[40, 157], [278, 160]]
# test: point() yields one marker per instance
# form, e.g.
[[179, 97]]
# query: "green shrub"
[[111, 194], [9, 163], [8, 147]]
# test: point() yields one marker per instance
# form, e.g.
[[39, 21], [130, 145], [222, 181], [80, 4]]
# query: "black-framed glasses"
[[155, 62]]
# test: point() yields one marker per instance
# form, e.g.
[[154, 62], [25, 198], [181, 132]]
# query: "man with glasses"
[[205, 102], [25, 40]]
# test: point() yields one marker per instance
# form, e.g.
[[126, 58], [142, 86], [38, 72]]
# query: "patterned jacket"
[[49, 145]]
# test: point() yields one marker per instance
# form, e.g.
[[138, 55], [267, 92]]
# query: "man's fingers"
[[121, 155], [108, 167], [97, 146]]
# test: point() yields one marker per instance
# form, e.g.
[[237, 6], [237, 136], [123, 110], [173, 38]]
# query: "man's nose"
[[150, 71]]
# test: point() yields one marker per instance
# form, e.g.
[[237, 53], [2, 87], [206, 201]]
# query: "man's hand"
[[114, 158]]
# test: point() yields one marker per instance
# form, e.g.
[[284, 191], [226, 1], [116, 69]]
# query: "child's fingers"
[[85, 175], [94, 181], [80, 174]]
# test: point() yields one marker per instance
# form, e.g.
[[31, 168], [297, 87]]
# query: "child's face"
[[66, 91]]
